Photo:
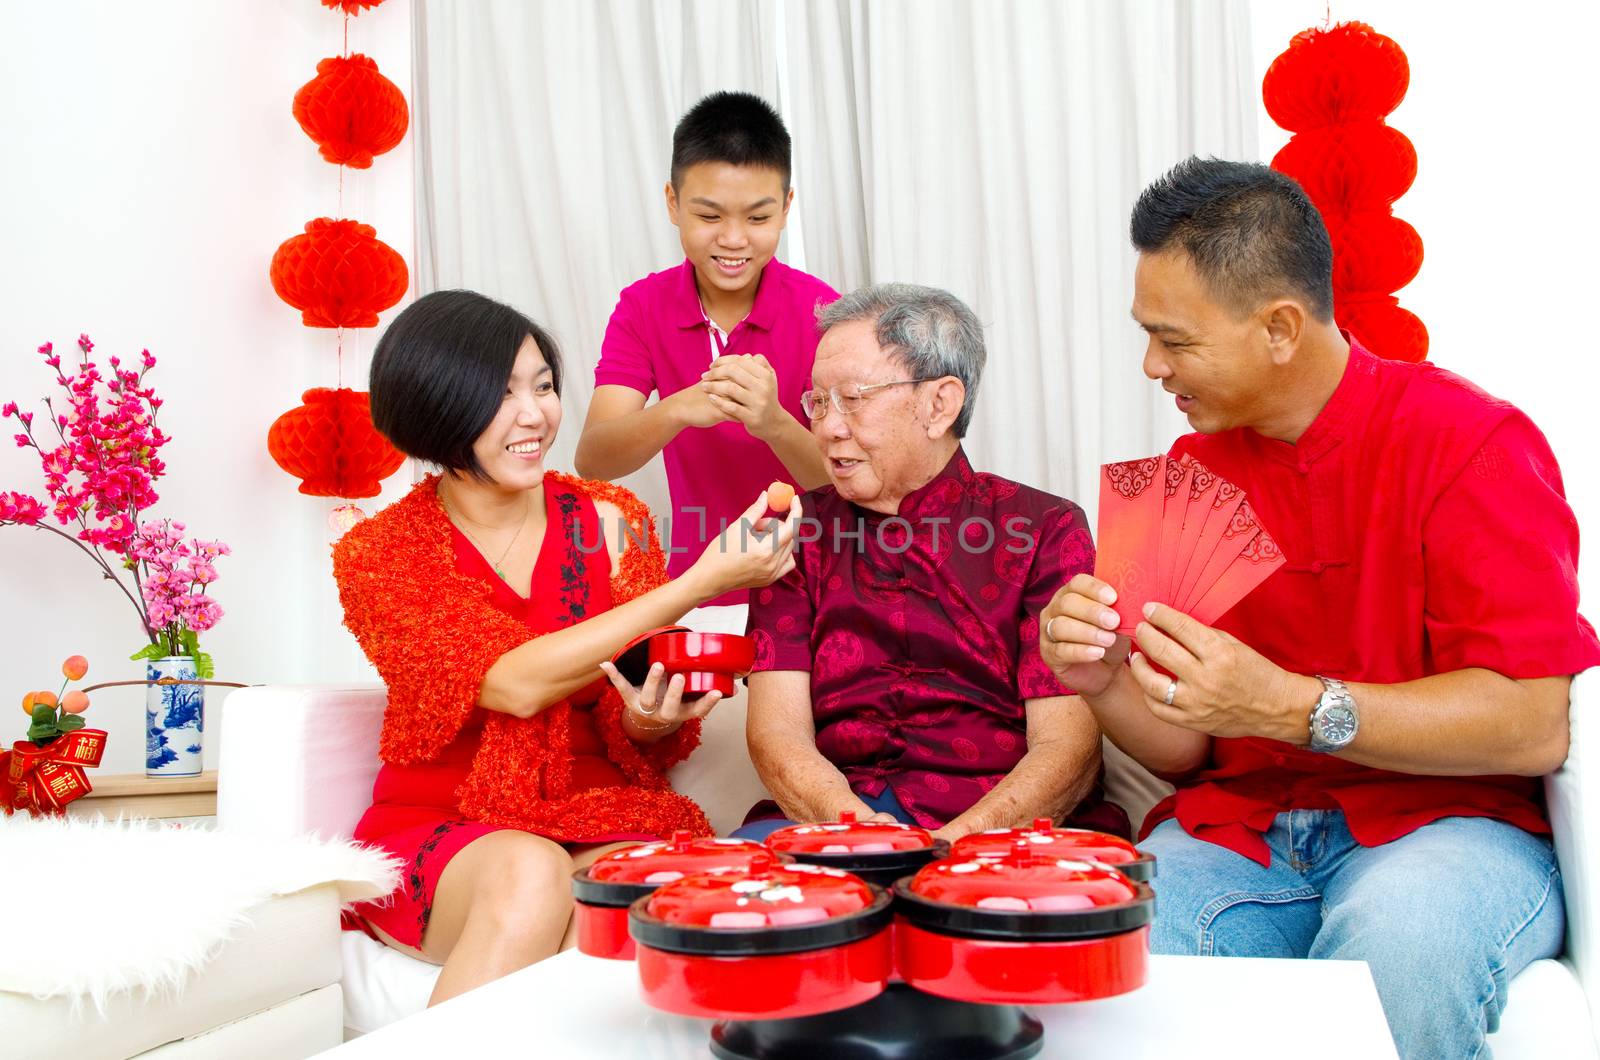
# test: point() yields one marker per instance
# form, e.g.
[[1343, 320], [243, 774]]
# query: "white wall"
[[1504, 201], [149, 167]]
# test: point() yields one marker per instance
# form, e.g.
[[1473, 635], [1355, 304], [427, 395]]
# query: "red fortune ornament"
[[351, 111], [1333, 88], [339, 274], [44, 779], [330, 444]]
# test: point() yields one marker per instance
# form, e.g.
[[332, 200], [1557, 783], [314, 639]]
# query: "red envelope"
[[1128, 547], [1177, 476], [1236, 536], [1254, 564], [1203, 485], [1214, 523]]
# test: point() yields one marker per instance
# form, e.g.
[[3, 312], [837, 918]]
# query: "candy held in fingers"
[[780, 495]]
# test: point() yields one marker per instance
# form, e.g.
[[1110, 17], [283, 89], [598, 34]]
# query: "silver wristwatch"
[[1334, 718]]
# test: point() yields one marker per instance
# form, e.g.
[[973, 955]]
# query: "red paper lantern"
[[351, 111], [352, 7], [330, 444], [1346, 73], [1383, 326], [1365, 166], [1372, 251], [339, 274]]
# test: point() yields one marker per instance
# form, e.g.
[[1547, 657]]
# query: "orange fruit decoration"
[[27, 703], [74, 702], [75, 667], [44, 699], [780, 495]]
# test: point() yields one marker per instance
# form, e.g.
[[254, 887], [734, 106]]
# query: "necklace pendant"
[[500, 572]]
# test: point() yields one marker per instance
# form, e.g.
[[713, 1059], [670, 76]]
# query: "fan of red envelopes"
[[1174, 532], [351, 110], [1332, 88], [329, 443]]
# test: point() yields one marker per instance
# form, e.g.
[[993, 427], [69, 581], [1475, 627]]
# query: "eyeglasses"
[[846, 397]]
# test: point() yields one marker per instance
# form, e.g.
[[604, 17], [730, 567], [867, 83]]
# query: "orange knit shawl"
[[433, 634]]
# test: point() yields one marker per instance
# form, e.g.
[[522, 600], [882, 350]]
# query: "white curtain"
[[995, 150], [990, 148]]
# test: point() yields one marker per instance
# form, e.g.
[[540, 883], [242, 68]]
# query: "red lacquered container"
[[791, 941], [606, 888], [1072, 843], [1025, 928], [880, 852], [707, 661]]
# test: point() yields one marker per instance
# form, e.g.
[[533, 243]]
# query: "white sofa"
[[303, 758]]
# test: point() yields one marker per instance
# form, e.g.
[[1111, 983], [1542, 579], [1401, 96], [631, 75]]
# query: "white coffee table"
[[1225, 1007]]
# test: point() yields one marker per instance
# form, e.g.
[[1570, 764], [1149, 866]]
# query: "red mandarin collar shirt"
[[921, 634], [1425, 531]]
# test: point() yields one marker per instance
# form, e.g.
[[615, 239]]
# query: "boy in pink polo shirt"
[[727, 338]]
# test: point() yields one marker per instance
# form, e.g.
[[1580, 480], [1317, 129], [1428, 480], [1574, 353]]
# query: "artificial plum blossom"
[[99, 476]]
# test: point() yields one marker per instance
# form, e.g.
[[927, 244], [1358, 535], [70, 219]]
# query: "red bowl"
[[793, 941], [707, 661], [1000, 972]]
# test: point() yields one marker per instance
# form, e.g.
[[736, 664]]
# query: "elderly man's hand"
[[1077, 635], [1223, 687], [745, 388]]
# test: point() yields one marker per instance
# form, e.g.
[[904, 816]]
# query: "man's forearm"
[[1464, 723], [622, 445], [1049, 781], [805, 785], [1162, 748], [798, 451]]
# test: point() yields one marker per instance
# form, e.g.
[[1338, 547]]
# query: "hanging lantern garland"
[[339, 274], [1332, 89]]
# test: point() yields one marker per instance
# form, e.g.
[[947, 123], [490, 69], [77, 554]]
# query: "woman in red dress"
[[490, 599]]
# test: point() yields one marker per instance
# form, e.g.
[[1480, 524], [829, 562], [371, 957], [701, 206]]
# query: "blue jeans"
[[1444, 917], [884, 803]]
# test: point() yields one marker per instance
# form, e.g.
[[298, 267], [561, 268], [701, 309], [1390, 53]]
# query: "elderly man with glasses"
[[898, 666]]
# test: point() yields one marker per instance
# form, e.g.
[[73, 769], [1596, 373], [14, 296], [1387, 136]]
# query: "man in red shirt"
[[1356, 746], [898, 667]]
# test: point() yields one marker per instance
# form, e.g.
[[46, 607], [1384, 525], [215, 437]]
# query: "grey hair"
[[932, 331]]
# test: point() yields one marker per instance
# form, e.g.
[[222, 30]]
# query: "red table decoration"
[[351, 111], [339, 274], [330, 444], [351, 7], [1333, 88], [43, 780]]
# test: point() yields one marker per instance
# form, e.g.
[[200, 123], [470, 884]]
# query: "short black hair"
[[733, 127], [1251, 232], [439, 374]]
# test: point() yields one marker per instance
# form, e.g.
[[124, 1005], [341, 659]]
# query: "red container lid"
[[849, 836], [633, 658], [878, 851], [1074, 843], [785, 909], [1025, 894], [623, 876]]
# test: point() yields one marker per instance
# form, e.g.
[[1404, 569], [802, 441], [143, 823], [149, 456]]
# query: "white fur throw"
[[92, 908]]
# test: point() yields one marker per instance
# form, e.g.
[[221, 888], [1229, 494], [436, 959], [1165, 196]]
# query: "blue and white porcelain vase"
[[174, 719]]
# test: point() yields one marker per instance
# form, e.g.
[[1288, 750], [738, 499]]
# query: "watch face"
[[1336, 724]]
